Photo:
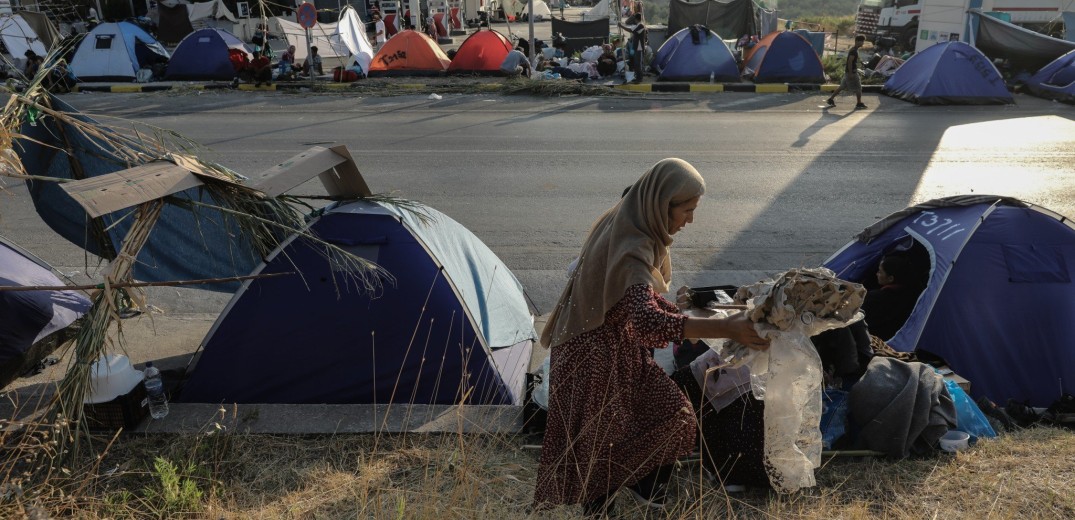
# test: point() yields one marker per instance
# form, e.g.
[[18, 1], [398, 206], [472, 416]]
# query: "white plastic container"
[[954, 441]]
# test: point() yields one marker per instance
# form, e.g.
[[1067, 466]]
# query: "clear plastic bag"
[[788, 375]]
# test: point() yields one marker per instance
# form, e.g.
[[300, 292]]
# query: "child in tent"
[[888, 306]]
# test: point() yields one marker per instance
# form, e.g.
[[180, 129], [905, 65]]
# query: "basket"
[[125, 411]]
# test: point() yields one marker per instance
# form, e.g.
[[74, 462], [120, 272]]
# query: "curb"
[[761, 88]]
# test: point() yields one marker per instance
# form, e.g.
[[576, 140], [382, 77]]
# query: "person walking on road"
[[851, 81]]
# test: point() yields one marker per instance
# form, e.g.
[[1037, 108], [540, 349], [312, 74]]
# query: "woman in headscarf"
[[615, 419]]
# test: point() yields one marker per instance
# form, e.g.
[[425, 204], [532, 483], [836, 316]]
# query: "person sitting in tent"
[[315, 63], [888, 306]]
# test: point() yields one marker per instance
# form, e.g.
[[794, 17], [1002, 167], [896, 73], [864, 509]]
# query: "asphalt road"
[[788, 181]]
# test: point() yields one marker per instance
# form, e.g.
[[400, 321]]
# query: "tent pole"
[[530, 18]]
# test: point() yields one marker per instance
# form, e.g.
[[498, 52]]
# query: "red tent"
[[481, 53], [409, 53]]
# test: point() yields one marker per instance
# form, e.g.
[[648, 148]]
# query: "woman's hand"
[[736, 327], [741, 330], [683, 298]]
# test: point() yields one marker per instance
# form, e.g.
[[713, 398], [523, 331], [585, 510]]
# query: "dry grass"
[[221, 475]]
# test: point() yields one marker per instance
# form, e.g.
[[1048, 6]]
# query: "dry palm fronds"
[[551, 88], [263, 223]]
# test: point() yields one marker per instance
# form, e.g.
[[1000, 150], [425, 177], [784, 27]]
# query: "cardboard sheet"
[[131, 187], [334, 166]]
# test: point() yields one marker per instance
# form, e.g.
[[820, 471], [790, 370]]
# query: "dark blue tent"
[[187, 243], [1055, 80], [453, 327], [27, 317], [203, 55], [949, 73], [696, 54], [783, 57], [998, 306]]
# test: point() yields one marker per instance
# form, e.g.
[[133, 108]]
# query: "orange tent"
[[409, 53], [481, 53]]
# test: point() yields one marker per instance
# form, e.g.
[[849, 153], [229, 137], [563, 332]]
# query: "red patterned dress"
[[614, 415]]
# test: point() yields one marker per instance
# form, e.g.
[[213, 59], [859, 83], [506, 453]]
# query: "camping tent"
[[409, 53], [581, 35], [732, 18], [352, 33], [695, 54], [1055, 80], [481, 53], [27, 318], [203, 54], [210, 14], [453, 323], [115, 52], [186, 244], [541, 10], [783, 57], [950, 73], [998, 306], [42, 27], [173, 23], [324, 36], [598, 12], [1022, 48], [19, 37], [176, 21]]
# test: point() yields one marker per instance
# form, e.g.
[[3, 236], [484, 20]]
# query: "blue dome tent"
[[1055, 80], [949, 73], [203, 55], [452, 327], [998, 304], [28, 317], [695, 54], [783, 57], [173, 252]]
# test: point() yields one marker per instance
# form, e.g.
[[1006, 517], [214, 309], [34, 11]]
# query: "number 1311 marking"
[[944, 228]]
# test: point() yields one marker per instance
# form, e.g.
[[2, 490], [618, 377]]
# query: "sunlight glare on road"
[[1027, 158]]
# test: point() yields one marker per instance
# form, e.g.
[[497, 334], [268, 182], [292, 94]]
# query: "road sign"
[[306, 15]]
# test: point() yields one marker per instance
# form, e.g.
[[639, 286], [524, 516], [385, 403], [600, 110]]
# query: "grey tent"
[[731, 19]]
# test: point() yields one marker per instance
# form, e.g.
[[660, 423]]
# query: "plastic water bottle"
[[158, 402]]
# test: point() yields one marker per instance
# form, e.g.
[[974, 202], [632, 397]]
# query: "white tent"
[[210, 14], [324, 36], [18, 38], [541, 10], [598, 11], [352, 33]]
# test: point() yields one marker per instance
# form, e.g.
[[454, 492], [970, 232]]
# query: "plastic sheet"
[[788, 376]]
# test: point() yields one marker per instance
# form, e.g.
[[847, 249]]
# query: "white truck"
[[900, 19]]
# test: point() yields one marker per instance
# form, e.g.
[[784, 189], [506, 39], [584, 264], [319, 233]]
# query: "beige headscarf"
[[627, 245]]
